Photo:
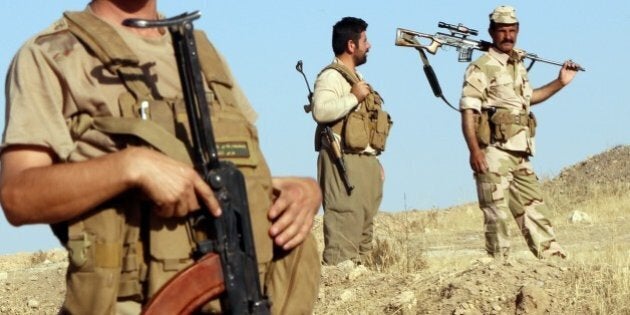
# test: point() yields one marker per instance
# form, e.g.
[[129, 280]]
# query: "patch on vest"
[[233, 149]]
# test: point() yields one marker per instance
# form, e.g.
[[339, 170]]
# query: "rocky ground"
[[427, 264]]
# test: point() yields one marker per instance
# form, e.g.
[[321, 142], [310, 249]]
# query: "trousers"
[[349, 219]]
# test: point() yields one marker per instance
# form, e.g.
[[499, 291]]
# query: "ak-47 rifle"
[[457, 38], [327, 133], [226, 266]]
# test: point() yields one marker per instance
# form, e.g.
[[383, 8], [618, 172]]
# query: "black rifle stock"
[[230, 235], [327, 133], [457, 38]]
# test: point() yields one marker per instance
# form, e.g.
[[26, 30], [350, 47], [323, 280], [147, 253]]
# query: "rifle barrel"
[[535, 57]]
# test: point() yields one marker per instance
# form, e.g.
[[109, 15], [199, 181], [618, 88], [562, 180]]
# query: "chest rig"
[[119, 251], [369, 124]]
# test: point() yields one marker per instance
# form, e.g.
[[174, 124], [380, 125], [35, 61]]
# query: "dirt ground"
[[457, 278], [425, 263]]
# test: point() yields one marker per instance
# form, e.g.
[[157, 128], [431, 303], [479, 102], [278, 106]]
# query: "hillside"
[[432, 262]]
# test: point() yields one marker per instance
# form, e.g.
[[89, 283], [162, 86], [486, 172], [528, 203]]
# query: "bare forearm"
[[58, 192], [543, 93], [468, 130]]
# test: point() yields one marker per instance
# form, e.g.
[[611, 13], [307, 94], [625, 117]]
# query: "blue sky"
[[426, 161]]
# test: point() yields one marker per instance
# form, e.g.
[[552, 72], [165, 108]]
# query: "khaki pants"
[[510, 186], [291, 280], [348, 219]]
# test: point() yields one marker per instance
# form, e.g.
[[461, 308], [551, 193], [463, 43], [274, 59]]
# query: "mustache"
[[507, 41]]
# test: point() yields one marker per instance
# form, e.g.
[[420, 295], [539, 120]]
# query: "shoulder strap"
[[108, 46], [345, 72], [118, 58], [111, 49]]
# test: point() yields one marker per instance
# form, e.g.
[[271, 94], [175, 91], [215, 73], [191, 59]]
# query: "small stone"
[[346, 295], [32, 303]]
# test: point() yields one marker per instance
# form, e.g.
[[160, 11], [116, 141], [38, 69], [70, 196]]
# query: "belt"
[[508, 118]]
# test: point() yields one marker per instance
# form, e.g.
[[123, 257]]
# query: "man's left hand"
[[298, 200], [567, 72]]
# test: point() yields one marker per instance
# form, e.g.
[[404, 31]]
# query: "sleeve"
[[34, 103], [330, 101], [473, 92], [241, 99]]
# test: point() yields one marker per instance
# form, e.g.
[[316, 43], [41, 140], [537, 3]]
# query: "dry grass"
[[398, 254], [601, 282], [419, 245]]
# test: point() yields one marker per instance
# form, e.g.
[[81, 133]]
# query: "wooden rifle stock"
[[190, 289], [335, 150]]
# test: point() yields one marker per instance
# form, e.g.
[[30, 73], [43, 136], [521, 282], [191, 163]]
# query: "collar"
[[499, 55]]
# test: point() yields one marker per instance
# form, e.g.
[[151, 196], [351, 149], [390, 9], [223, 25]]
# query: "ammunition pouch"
[[363, 128], [366, 126], [380, 132], [356, 134], [500, 125], [532, 124], [482, 128]]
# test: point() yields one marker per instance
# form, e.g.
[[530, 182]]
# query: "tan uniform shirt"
[[38, 104], [494, 81]]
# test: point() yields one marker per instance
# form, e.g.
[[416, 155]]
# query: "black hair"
[[348, 28]]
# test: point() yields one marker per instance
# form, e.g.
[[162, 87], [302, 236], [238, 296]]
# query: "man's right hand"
[[477, 158], [478, 162], [361, 90], [174, 187]]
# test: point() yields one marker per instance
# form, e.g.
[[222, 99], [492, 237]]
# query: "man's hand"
[[361, 90], [478, 162], [292, 213], [174, 187], [567, 72], [477, 157]]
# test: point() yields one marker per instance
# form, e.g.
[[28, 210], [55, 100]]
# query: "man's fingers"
[[292, 235], [206, 195], [280, 222]]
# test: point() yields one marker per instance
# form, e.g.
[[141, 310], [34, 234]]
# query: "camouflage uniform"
[[497, 84]]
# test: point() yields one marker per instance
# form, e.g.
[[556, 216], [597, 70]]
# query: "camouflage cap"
[[504, 15]]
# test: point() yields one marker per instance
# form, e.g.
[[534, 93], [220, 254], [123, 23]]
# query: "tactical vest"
[[119, 251], [369, 124]]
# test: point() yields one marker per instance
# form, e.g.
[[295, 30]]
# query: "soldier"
[[117, 205], [343, 101], [499, 130]]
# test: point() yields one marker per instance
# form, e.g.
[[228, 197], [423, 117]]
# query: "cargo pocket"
[[171, 250], [488, 189]]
